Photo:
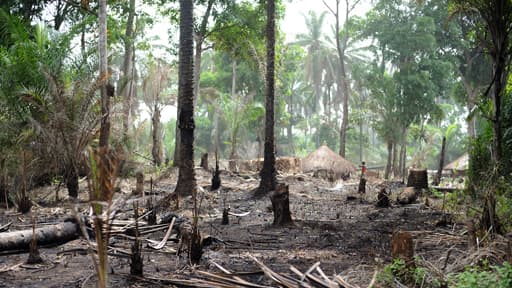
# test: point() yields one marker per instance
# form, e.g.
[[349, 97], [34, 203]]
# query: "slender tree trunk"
[[127, 80], [268, 172], [156, 151], [186, 179], [389, 160], [403, 168], [105, 99], [437, 180], [200, 38], [395, 160], [290, 125]]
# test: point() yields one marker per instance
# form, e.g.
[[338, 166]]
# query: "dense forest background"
[[384, 87]]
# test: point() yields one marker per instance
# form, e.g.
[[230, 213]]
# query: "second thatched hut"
[[325, 163]]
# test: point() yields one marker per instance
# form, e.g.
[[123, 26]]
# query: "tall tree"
[[495, 29], [406, 49], [314, 41], [127, 86], [342, 79], [186, 180], [497, 20], [217, 9], [268, 172]]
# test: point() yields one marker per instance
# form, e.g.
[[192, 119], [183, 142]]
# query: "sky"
[[294, 22]]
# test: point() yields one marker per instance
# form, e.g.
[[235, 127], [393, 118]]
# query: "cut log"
[[49, 235], [402, 247], [407, 196], [281, 205]]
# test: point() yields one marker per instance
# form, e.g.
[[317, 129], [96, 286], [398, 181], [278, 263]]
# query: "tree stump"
[[362, 185], [215, 179], [382, 199], [139, 187], [33, 256], [204, 162], [402, 247], [281, 205], [418, 178], [470, 225], [225, 216]]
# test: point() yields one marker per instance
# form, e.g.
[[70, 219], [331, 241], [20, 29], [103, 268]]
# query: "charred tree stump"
[[470, 225], [139, 186], [136, 263], [362, 185], [225, 216], [204, 162], [196, 247], [49, 235], [382, 199], [33, 256], [72, 181], [216, 182], [151, 218], [402, 247], [418, 178], [281, 205]]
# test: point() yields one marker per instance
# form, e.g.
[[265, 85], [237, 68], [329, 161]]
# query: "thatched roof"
[[324, 158], [460, 163]]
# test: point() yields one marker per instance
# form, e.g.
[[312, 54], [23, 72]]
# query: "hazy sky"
[[294, 22]]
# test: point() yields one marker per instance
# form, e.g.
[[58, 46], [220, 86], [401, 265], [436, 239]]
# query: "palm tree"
[[315, 44], [186, 180], [268, 172]]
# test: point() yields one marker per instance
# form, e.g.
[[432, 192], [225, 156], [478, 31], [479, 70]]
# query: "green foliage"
[[412, 277], [473, 277]]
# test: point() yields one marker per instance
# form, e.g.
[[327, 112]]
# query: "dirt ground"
[[333, 225]]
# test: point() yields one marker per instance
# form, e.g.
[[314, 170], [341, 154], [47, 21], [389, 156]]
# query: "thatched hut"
[[459, 166], [328, 164]]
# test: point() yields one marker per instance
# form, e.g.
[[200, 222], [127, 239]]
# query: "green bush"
[[496, 277]]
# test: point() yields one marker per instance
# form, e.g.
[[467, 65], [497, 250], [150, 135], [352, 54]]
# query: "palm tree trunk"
[[186, 179], [268, 172]]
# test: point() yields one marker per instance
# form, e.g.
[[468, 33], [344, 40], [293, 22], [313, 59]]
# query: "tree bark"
[[49, 235], [186, 179], [268, 172]]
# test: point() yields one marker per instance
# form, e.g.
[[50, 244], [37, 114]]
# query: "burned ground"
[[333, 225]]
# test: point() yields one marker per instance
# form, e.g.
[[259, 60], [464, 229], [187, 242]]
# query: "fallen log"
[[49, 235], [407, 196]]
